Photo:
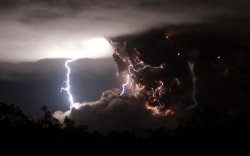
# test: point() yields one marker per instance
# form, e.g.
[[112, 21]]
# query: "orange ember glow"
[[156, 110], [136, 70]]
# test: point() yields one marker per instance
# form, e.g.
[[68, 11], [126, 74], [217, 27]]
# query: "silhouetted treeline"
[[206, 124]]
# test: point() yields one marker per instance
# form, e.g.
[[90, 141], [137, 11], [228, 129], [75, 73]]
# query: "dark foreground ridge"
[[206, 125]]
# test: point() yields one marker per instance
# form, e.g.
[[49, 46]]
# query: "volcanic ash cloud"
[[115, 112]]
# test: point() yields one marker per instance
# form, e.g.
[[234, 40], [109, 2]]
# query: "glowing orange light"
[[156, 110]]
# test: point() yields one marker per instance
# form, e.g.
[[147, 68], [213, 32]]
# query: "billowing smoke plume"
[[115, 112], [148, 97], [142, 79]]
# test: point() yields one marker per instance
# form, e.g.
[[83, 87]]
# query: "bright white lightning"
[[124, 85], [68, 87], [93, 48]]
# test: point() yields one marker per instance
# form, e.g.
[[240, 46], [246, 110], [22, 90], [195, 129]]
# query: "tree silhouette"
[[68, 123], [47, 120]]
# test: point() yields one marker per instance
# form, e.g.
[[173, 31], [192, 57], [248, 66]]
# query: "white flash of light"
[[67, 88], [97, 47], [124, 85], [127, 80]]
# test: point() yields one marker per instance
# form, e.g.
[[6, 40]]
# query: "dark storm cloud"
[[42, 10], [29, 28]]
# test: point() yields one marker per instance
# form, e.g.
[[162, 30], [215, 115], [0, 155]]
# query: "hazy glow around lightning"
[[92, 48], [97, 47]]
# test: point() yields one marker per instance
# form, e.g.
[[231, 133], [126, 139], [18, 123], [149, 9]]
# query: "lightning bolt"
[[67, 82], [124, 85], [191, 67], [127, 79]]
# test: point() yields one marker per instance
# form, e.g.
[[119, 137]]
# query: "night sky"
[[37, 36]]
